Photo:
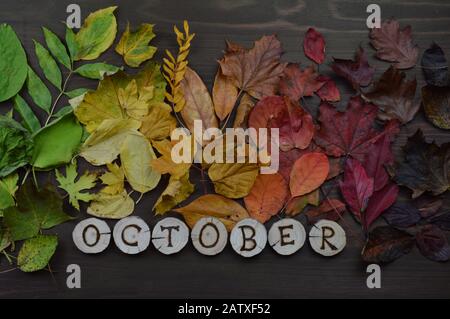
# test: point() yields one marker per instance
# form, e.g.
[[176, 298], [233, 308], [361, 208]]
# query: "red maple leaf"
[[358, 73], [297, 83]]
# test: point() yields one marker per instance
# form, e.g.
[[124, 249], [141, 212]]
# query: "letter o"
[[209, 236], [132, 235], [92, 236]]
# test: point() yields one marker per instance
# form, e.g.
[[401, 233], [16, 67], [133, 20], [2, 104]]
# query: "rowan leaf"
[[394, 44], [233, 180], [110, 206], [358, 72], [39, 93], [267, 197], [225, 95], [97, 71], [76, 187], [395, 96], [178, 190], [134, 46], [48, 65], [256, 71], [309, 173], [36, 253], [436, 102], [435, 67], [297, 83], [314, 46], [226, 210]]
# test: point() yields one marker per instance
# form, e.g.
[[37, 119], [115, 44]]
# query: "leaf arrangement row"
[[124, 129]]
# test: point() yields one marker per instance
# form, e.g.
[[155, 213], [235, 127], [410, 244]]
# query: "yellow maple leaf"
[[159, 123], [114, 178]]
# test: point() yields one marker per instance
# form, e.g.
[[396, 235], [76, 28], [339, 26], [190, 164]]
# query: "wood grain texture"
[[189, 274]]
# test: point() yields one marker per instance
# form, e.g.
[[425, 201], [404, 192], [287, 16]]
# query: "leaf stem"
[[61, 94], [234, 107]]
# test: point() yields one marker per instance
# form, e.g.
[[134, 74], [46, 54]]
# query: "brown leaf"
[[358, 73], [225, 95], [297, 83], [395, 45], [436, 101], [309, 172], [330, 209], [395, 96], [243, 112], [256, 71], [329, 92], [298, 204], [267, 197]]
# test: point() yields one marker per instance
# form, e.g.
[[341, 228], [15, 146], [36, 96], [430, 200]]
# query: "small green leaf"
[[48, 65], [30, 121], [38, 91], [97, 71], [72, 45], [8, 189], [5, 239], [76, 93], [133, 46], [57, 48], [36, 253], [63, 111]]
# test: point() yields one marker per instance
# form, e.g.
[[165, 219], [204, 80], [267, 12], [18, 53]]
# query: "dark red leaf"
[[359, 73], [387, 244], [433, 243], [329, 92], [378, 157], [442, 221], [428, 205], [297, 83], [265, 111], [435, 67], [379, 203], [403, 215], [314, 46], [330, 209]]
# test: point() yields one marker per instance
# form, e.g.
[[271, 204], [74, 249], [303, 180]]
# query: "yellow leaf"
[[225, 95], [114, 179], [178, 190], [134, 46], [137, 155], [159, 123], [104, 144], [243, 111], [226, 210], [135, 103], [233, 180], [111, 206], [165, 164]]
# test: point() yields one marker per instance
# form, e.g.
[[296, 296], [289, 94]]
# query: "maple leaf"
[[436, 104], [359, 73], [114, 178], [308, 173], [425, 167], [159, 123], [352, 132], [314, 46], [267, 197], [165, 163], [329, 91], [435, 67], [395, 96], [76, 187], [297, 83], [256, 71], [394, 44]]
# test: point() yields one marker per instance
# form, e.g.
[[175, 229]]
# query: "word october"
[[209, 236]]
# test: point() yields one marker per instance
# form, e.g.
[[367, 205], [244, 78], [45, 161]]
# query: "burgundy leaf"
[[428, 205], [377, 158], [314, 46], [359, 73], [433, 243], [297, 83], [379, 203], [403, 215], [329, 92]]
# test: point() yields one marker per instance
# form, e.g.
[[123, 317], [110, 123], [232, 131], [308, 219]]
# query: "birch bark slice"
[[248, 237], [92, 236], [132, 235], [287, 236], [327, 238], [170, 236], [209, 236]]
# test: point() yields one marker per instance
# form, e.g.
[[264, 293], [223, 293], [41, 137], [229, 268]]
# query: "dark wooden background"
[[188, 274]]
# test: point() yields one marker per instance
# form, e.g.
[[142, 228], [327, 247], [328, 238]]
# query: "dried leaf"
[[297, 83], [243, 112], [297, 205], [436, 102], [314, 46], [114, 178], [309, 172], [403, 215], [330, 209], [165, 163], [329, 91], [233, 180], [435, 67], [377, 159], [178, 190], [159, 123], [116, 206], [225, 95], [359, 73], [36, 253], [379, 202], [433, 244], [134, 46], [265, 111]]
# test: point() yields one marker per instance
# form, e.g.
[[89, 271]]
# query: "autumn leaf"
[[110, 206], [36, 253], [435, 67], [267, 197], [133, 46], [233, 180], [387, 244], [403, 215], [256, 71], [265, 111], [358, 72], [114, 178], [378, 157], [309, 172], [297, 83], [226, 210], [225, 95], [178, 190], [356, 188], [330, 209], [297, 205], [243, 112], [165, 163], [433, 243], [425, 167], [436, 104], [395, 96], [199, 105], [350, 133], [76, 187], [159, 123], [394, 44], [314, 46], [379, 202], [329, 91]]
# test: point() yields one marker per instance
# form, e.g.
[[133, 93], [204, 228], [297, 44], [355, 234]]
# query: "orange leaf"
[[267, 197], [225, 95], [309, 172]]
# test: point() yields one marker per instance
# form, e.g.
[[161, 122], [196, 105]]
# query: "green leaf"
[[38, 91], [8, 189], [57, 48], [16, 146], [96, 35], [36, 253], [5, 239], [76, 93], [36, 210], [56, 144], [63, 111], [48, 65], [97, 71], [30, 121], [76, 187], [134, 46], [13, 63], [72, 45]]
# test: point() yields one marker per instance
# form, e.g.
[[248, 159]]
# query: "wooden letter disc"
[[287, 236], [92, 236], [248, 237], [170, 236], [209, 236], [132, 235], [327, 238]]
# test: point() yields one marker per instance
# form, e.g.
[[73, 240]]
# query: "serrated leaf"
[[178, 190], [57, 48], [133, 46], [36, 253], [159, 123], [114, 178], [38, 91], [30, 121], [48, 65], [233, 180]]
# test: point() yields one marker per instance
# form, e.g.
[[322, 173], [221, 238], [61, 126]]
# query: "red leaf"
[[350, 133], [358, 73], [357, 187], [265, 111], [433, 243], [287, 160], [378, 156], [395, 45], [314, 46], [329, 92], [379, 203], [297, 83], [331, 209]]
